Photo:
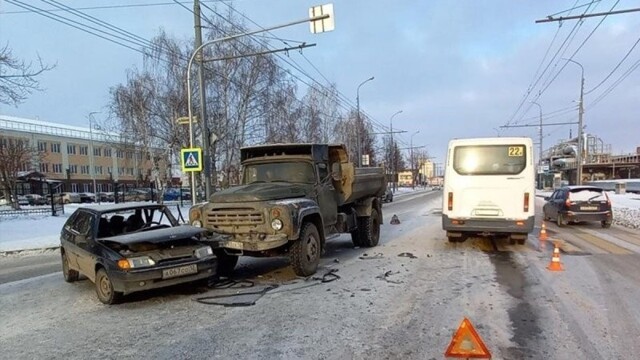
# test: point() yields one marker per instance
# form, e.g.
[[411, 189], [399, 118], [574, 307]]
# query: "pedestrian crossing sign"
[[191, 159]]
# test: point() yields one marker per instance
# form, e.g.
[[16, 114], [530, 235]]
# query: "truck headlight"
[[202, 252], [276, 224], [196, 223]]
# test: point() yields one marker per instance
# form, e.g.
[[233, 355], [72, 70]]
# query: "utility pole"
[[413, 173], [393, 152], [206, 156], [579, 153], [539, 146], [358, 121], [93, 168]]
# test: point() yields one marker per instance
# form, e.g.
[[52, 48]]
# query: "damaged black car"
[[127, 248]]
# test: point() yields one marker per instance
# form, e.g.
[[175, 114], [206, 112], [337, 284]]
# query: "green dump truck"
[[292, 198]]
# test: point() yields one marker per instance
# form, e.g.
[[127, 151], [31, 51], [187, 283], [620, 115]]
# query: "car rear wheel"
[[605, 224], [560, 220], [70, 275], [104, 289]]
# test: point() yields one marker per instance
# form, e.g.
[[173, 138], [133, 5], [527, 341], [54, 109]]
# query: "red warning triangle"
[[466, 343]]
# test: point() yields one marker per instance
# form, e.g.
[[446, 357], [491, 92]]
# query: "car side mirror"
[[546, 198]]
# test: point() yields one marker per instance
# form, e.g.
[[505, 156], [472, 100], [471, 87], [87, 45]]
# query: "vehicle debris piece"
[[395, 220], [386, 275], [407, 254], [366, 256]]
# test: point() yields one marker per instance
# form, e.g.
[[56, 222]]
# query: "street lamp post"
[[393, 151], [318, 24], [91, 161], [358, 121], [579, 154], [413, 175]]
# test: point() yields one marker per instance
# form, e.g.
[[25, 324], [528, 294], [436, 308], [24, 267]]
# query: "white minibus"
[[489, 188]]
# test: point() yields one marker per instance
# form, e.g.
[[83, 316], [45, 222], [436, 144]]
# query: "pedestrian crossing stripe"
[[191, 159]]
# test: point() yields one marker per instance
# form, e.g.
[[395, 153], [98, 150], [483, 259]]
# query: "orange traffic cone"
[[555, 264], [543, 232]]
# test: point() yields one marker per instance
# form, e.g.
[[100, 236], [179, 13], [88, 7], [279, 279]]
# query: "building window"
[[121, 171], [129, 155], [84, 150], [57, 168], [107, 152], [71, 149], [25, 167], [44, 168], [109, 170], [97, 151], [120, 154], [55, 148], [130, 171], [98, 170], [74, 188], [85, 187], [84, 169], [73, 169], [42, 146]]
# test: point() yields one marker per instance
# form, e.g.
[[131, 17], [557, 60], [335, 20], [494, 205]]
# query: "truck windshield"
[[293, 172], [490, 159]]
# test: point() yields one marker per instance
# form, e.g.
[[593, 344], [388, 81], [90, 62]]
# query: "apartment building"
[[74, 156]]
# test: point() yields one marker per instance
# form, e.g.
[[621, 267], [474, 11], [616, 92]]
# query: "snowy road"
[[520, 309]]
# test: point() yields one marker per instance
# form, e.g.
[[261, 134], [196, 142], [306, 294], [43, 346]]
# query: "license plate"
[[179, 271], [589, 208], [234, 245]]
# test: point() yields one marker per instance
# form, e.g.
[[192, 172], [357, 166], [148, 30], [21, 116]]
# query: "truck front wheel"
[[369, 229], [305, 252]]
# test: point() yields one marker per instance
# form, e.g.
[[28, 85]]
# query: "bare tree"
[[16, 155], [18, 78]]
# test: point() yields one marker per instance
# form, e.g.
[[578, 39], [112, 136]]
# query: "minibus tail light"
[[450, 201], [526, 202]]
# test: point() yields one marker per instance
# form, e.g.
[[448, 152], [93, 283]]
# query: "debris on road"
[[407, 254], [386, 275], [395, 220], [366, 256]]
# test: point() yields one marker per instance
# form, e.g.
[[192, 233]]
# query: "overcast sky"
[[455, 68]]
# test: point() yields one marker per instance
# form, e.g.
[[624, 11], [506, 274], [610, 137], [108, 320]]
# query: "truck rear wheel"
[[369, 229], [305, 252]]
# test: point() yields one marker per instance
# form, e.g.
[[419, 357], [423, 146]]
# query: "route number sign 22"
[[516, 150]]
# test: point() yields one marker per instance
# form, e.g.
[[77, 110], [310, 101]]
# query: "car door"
[[558, 202], [83, 231], [67, 240]]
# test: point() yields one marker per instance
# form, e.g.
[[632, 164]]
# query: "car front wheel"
[[104, 288]]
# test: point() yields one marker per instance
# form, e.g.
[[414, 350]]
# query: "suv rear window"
[[490, 159]]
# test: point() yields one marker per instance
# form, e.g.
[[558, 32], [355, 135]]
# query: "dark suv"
[[578, 203]]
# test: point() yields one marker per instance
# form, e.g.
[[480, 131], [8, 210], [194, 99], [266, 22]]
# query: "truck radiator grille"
[[225, 217]]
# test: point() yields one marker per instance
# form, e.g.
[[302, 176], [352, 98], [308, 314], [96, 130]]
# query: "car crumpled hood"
[[260, 192], [157, 236]]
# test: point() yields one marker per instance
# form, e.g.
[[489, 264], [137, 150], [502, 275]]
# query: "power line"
[[615, 68], [124, 6], [573, 8], [533, 85]]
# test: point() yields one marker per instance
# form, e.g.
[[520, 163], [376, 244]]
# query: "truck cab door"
[[327, 196]]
